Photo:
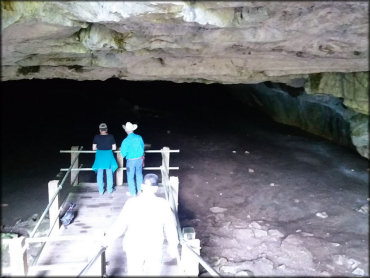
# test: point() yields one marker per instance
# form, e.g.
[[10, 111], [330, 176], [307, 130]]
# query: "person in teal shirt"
[[132, 148]]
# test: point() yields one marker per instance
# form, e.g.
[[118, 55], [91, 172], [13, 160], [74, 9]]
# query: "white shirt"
[[144, 220]]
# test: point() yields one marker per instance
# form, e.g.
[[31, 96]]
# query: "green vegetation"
[[315, 80], [8, 5], [120, 39]]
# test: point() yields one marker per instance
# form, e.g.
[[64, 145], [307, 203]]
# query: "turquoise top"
[[104, 159], [132, 146]]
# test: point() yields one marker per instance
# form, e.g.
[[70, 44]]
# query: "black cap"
[[103, 127]]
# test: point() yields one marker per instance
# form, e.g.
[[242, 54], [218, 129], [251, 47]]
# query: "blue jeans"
[[100, 180], [134, 167]]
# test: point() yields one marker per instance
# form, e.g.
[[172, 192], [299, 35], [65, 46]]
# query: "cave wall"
[[353, 88], [320, 114]]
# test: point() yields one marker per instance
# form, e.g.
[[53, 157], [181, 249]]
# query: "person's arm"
[[95, 143], [114, 146], [171, 232], [120, 225], [123, 149], [142, 145]]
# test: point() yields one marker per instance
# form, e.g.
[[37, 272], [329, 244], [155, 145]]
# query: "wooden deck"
[[95, 214]]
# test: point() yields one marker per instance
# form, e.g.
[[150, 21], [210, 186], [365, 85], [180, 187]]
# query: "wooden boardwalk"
[[94, 215]]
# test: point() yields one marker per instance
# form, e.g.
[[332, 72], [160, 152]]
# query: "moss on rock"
[[353, 87], [28, 70], [121, 38], [8, 5]]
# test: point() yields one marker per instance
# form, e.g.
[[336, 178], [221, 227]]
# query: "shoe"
[[101, 193], [128, 194]]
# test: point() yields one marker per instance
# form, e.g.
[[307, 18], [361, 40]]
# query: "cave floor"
[[264, 199], [274, 202]]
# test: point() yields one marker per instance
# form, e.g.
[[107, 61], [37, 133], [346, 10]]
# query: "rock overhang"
[[182, 41], [229, 42]]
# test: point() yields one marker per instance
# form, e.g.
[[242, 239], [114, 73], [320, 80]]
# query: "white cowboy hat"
[[129, 127]]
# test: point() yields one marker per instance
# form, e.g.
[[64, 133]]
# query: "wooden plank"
[[94, 215]]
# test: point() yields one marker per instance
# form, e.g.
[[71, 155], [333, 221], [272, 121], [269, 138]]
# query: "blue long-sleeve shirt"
[[132, 146]]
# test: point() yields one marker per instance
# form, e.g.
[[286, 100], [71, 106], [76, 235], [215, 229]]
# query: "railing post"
[[18, 256], [174, 191], [165, 169], [98, 268], [166, 158], [189, 262], [103, 264], [119, 171], [74, 174], [54, 208]]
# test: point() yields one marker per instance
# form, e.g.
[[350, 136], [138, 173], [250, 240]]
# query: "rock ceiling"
[[183, 41]]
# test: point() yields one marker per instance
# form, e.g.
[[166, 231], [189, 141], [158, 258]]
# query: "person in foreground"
[[104, 144], [132, 148], [144, 220]]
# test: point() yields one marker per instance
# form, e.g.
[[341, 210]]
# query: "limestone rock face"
[[320, 114], [183, 41], [352, 87]]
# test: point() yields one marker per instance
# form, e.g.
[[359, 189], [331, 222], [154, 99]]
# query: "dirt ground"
[[264, 199], [276, 203]]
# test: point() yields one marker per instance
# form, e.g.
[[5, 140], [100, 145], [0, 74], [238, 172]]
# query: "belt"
[[134, 158]]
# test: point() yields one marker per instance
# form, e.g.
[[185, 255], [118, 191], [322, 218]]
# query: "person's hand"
[[172, 251]]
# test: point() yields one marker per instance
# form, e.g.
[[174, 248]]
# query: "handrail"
[[123, 168], [179, 232], [92, 261], [48, 237], [53, 198], [117, 151], [61, 238], [203, 262]]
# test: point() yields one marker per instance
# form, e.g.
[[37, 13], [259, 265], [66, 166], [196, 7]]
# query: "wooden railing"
[[190, 252], [190, 246], [18, 246]]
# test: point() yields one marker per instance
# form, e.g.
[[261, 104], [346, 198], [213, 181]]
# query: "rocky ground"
[[286, 204], [264, 199]]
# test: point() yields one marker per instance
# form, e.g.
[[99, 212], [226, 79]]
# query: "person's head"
[[129, 127], [150, 183], [103, 128]]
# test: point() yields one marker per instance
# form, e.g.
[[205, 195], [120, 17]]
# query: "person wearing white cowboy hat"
[[132, 148]]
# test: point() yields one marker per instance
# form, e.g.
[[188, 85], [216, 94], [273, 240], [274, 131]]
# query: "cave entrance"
[[240, 172]]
